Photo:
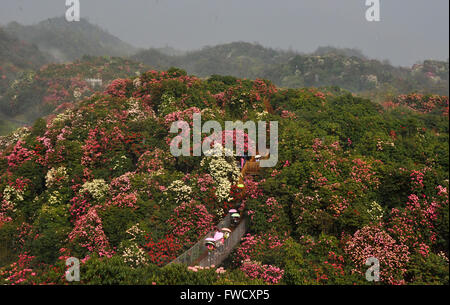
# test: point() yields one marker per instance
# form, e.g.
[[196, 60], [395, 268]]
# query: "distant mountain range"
[[66, 41], [328, 66], [60, 41], [26, 49]]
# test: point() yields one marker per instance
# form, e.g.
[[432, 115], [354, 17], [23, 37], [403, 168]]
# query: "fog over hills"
[[327, 66], [69, 41], [25, 49], [409, 31]]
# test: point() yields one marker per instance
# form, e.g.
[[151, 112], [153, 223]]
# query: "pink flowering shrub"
[[231, 136], [19, 155], [421, 103], [80, 205], [337, 191], [88, 233], [153, 161], [121, 184], [78, 181], [252, 187], [99, 144], [190, 222], [415, 225], [255, 247], [375, 242], [185, 115], [121, 192], [119, 87], [124, 200], [203, 189], [268, 273], [286, 114], [6, 211]]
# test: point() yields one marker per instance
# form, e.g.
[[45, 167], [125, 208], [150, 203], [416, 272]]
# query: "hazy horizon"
[[404, 35]]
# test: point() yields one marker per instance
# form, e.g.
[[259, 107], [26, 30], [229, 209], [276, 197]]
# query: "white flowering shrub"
[[181, 191], [135, 232], [442, 255], [16, 135], [12, 194], [61, 118], [133, 255], [77, 93], [54, 198], [53, 214], [97, 188], [262, 115], [223, 169], [381, 144], [121, 163], [168, 104], [137, 82], [375, 211], [56, 176], [135, 111]]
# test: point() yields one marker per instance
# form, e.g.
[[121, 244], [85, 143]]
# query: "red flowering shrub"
[[19, 155], [190, 222], [100, 144], [82, 180], [153, 161], [266, 215], [119, 87], [20, 271], [164, 250]]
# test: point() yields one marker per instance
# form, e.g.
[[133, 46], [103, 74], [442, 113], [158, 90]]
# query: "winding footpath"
[[198, 255]]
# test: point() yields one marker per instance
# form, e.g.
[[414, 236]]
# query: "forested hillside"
[[56, 87], [353, 180]]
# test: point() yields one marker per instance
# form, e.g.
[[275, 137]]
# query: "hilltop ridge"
[[66, 41]]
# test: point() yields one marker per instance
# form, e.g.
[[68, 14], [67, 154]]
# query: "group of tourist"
[[221, 235]]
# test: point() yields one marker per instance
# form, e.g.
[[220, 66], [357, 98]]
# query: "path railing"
[[195, 253], [199, 255], [217, 256]]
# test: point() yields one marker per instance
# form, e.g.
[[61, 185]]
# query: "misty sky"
[[409, 30]]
